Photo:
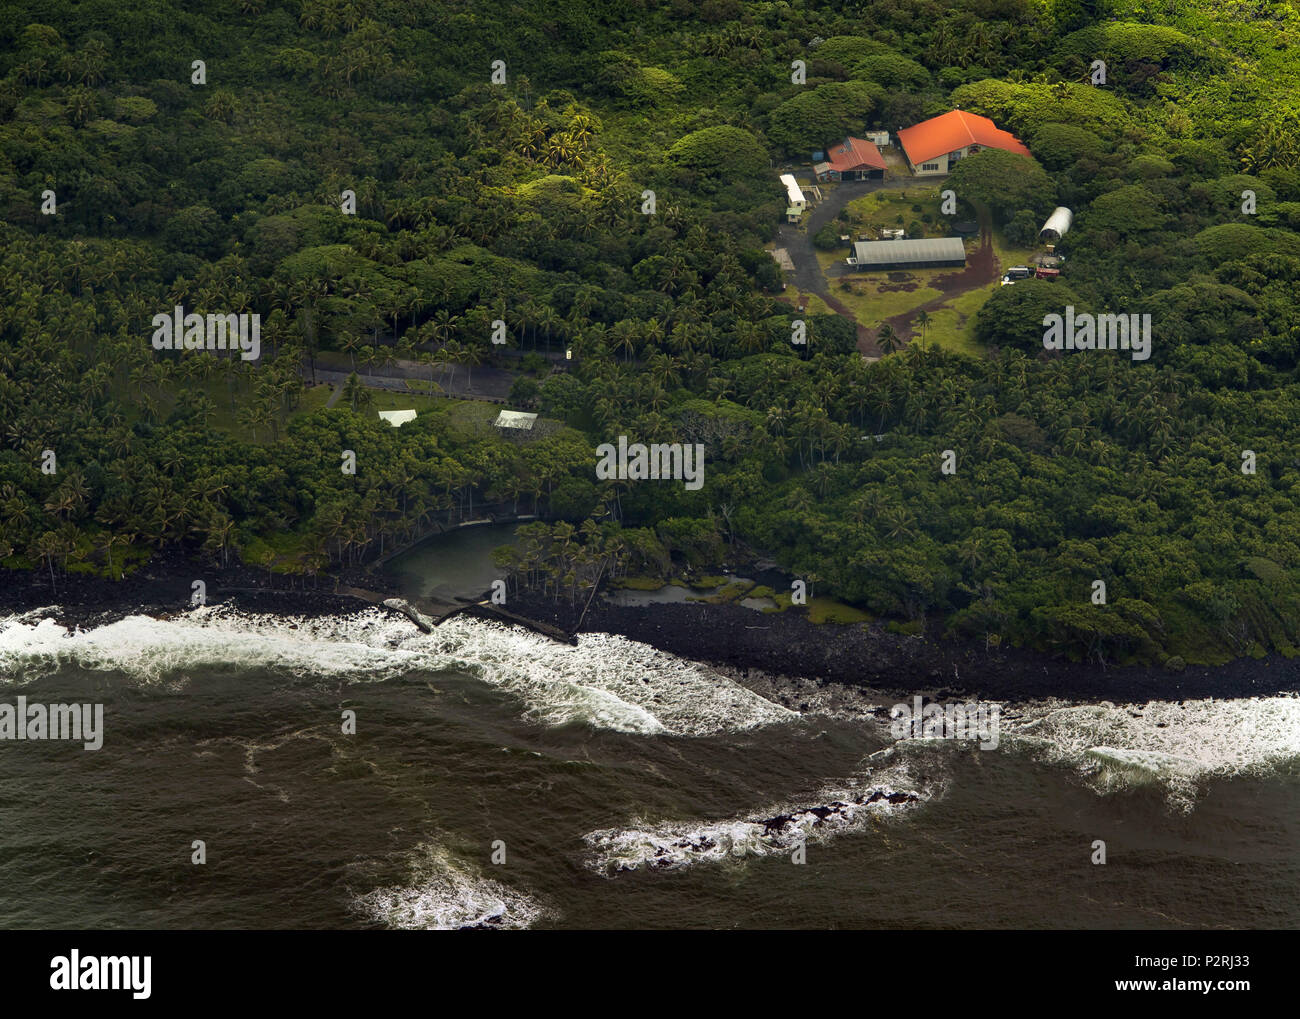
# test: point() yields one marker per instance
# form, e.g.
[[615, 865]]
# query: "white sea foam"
[[606, 681], [146, 649], [445, 894], [1179, 746], [668, 845]]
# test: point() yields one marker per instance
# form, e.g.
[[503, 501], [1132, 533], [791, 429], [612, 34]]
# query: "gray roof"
[[515, 419], [930, 249]]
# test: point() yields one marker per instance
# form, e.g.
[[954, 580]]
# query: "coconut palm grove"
[[570, 209]]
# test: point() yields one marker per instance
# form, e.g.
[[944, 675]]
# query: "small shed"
[[397, 418], [516, 419]]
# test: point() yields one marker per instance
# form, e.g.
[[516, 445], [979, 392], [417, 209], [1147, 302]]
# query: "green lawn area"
[[948, 329], [812, 304], [828, 610], [871, 304], [893, 209], [471, 415], [385, 399], [828, 258], [313, 398], [424, 387], [873, 297]]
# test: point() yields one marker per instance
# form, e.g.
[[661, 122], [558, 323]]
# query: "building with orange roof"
[[852, 159], [933, 146]]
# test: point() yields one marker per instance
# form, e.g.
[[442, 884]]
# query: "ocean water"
[[624, 787]]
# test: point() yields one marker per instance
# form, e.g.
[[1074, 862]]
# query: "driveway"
[[488, 382], [797, 240], [981, 267]]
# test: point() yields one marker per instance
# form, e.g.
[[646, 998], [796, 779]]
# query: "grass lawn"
[[385, 399], [472, 417], [812, 304], [948, 329], [952, 325], [871, 304], [828, 258], [946, 325], [425, 387], [885, 207], [313, 398]]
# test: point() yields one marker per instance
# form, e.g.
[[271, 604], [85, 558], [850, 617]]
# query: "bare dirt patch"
[[899, 288], [981, 270]]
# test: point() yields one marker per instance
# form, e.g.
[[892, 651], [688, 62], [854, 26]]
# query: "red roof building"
[[852, 159], [934, 145]]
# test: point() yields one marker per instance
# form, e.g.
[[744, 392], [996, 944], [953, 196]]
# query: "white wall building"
[[794, 194]]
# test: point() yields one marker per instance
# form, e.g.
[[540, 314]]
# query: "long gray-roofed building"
[[930, 252]]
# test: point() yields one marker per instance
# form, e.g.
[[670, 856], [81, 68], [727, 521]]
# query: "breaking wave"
[[775, 831], [1176, 745], [445, 894], [607, 682]]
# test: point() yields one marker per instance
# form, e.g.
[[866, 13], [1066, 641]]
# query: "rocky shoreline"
[[728, 636], [745, 641]]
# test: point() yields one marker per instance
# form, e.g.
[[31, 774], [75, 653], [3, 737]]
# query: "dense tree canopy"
[[521, 203]]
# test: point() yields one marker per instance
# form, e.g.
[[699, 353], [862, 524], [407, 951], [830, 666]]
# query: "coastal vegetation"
[[522, 202]]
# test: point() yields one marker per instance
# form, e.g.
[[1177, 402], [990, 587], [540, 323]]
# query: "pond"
[[457, 564], [675, 593]]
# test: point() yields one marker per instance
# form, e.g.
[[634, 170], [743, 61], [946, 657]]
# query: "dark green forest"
[[522, 202]]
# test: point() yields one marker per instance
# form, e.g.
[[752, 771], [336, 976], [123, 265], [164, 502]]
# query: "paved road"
[[487, 382]]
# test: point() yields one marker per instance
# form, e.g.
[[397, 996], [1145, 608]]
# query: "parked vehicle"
[[1019, 272]]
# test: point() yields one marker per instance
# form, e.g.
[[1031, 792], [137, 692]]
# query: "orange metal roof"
[[855, 153], [952, 131]]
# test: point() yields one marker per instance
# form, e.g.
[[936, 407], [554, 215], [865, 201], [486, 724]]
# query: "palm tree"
[[923, 320], [470, 355], [351, 344], [356, 393], [433, 358], [47, 547], [451, 354], [548, 320], [887, 339], [972, 552]]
